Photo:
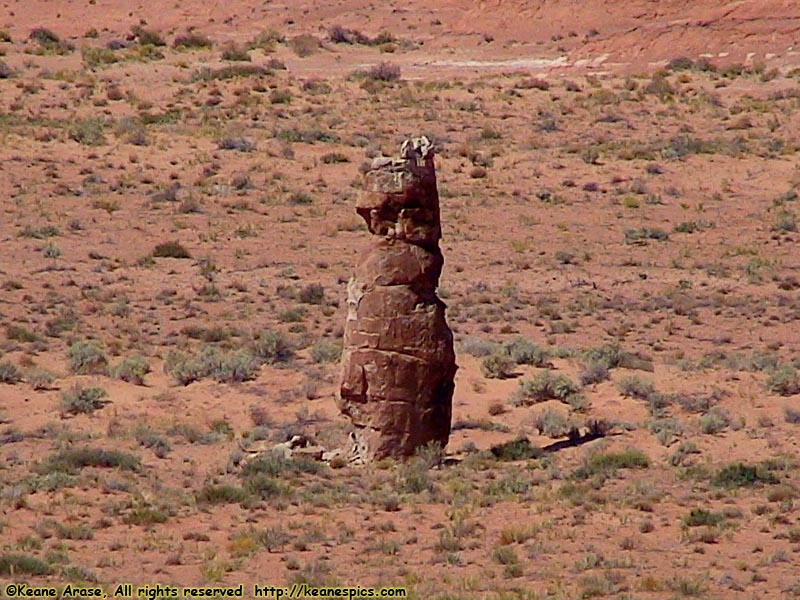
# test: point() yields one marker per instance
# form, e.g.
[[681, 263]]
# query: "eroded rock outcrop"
[[398, 360]]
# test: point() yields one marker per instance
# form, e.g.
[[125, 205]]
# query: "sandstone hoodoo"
[[398, 361]]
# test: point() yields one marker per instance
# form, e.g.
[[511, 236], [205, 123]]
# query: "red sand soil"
[[587, 199]]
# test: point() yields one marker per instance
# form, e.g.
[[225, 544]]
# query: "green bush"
[[784, 381], [14, 565], [40, 379], [132, 369], [699, 517], [607, 463], [49, 42], [304, 45], [232, 366], [147, 37], [191, 40], [72, 460], [546, 386], [498, 366], [88, 131], [742, 475], [313, 293], [220, 494], [98, 57], [635, 387], [593, 372], [184, 368], [86, 358], [145, 515], [81, 400], [518, 449], [9, 373], [172, 249], [325, 352], [523, 352], [272, 347]]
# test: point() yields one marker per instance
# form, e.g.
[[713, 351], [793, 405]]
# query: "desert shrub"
[[699, 517], [660, 86], [681, 63], [151, 439], [607, 463], [145, 515], [313, 293], [184, 368], [220, 494], [6, 71], [72, 460], [147, 37], [9, 373], [191, 40], [39, 233], [51, 250], [231, 72], [263, 486], [489, 134], [325, 352], [742, 475], [533, 83], [477, 172], [332, 158], [384, 71], [98, 57], [5, 37], [339, 35], [88, 131], [552, 423], [49, 42], [132, 130], [785, 220], [272, 347], [518, 449], [523, 352], [643, 234], [714, 421], [40, 379], [784, 381], [545, 386], [172, 249], [692, 226], [635, 387], [497, 366], [593, 372], [791, 415], [237, 143], [230, 367], [265, 41], [232, 52], [274, 464], [414, 477], [300, 198], [478, 347], [83, 400], [306, 136], [15, 565], [132, 369], [86, 358], [304, 45]]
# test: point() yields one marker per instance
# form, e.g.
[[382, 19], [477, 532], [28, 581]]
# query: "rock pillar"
[[398, 362]]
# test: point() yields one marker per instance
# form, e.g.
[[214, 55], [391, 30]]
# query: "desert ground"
[[619, 187]]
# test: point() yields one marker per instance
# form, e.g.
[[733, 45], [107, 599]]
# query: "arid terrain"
[[619, 195]]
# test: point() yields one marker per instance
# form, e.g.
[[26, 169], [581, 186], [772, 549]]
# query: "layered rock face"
[[398, 360]]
